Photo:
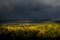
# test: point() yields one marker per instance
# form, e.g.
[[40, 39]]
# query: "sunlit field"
[[31, 30]]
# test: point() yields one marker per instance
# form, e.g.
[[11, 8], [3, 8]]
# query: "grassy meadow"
[[30, 30]]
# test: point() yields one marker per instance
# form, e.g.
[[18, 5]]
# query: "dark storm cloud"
[[29, 9]]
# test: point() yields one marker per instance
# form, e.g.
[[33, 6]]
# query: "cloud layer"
[[29, 9], [10, 4]]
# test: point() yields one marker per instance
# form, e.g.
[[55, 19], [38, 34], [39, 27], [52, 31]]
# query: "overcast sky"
[[29, 9]]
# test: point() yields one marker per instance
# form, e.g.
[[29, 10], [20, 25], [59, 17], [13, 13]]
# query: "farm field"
[[28, 30]]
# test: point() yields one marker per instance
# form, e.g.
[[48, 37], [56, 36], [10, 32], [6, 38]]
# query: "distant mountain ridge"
[[3, 21], [29, 21]]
